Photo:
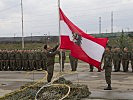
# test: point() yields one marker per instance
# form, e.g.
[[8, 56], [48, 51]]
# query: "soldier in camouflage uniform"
[[1, 58], [125, 59], [38, 58], [5, 60], [50, 61], [34, 59], [18, 57], [31, 60], [12, 60], [25, 60], [63, 58], [43, 61], [117, 59], [108, 67], [73, 63], [132, 59]]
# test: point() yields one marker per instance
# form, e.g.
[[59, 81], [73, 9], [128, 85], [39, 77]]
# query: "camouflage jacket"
[[31, 55], [126, 55], [25, 56], [44, 57], [51, 56], [12, 56], [1, 56], [107, 59], [116, 55], [18, 55], [5, 55], [38, 55]]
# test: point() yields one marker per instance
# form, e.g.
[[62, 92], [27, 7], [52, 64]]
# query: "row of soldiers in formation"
[[22, 60], [36, 59], [119, 57]]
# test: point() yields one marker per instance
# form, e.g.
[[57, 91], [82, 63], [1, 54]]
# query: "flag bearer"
[[50, 53]]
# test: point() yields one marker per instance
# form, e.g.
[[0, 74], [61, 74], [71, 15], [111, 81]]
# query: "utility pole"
[[112, 22], [22, 25], [99, 25], [14, 37], [31, 37]]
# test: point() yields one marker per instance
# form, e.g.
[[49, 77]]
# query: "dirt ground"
[[122, 83]]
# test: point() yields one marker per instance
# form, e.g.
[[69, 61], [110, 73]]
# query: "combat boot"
[[91, 70], [99, 70], [108, 88]]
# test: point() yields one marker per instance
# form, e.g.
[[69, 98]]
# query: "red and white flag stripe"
[[91, 48]]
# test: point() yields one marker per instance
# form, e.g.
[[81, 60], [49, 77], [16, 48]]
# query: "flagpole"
[[60, 36], [22, 25]]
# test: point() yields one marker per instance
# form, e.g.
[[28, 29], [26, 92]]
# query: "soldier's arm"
[[102, 60], [51, 53], [55, 48]]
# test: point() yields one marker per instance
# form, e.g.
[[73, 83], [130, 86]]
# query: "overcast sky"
[[41, 16]]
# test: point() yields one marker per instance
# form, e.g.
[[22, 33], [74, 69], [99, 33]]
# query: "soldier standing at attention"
[[108, 66], [125, 59], [50, 61], [132, 59], [116, 59], [18, 57], [5, 60], [12, 60], [25, 60], [38, 59], [31, 60], [63, 58], [44, 58], [73, 62]]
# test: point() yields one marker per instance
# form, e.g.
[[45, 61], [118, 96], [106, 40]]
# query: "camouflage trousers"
[[74, 64], [116, 64], [1, 64], [91, 68], [18, 64], [43, 64], [12, 65], [25, 64], [50, 70], [5, 65], [31, 64], [125, 64], [37, 64], [108, 71]]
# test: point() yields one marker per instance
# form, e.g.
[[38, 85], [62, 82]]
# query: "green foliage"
[[123, 41]]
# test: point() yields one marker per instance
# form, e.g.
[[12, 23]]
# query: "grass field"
[[10, 46]]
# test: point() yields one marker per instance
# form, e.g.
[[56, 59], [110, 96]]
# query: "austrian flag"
[[82, 46]]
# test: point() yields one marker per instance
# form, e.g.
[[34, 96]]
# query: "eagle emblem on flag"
[[77, 39]]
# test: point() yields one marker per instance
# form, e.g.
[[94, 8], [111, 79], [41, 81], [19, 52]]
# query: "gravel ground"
[[122, 83]]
